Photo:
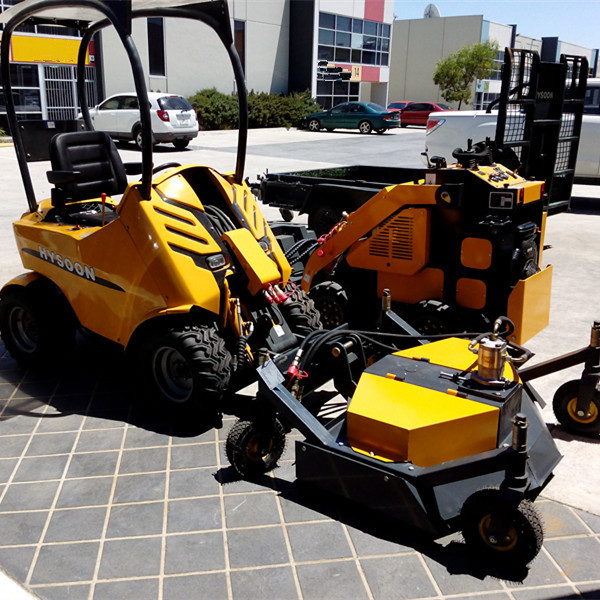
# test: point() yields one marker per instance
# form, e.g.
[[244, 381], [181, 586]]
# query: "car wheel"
[[181, 144], [314, 125], [403, 124], [137, 137], [330, 128], [365, 127]]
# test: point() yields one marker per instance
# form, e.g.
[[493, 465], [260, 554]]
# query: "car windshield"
[[444, 107], [174, 103], [376, 107]]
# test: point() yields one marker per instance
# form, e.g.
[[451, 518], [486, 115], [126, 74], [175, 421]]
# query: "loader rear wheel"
[[564, 404], [186, 366], [254, 449], [36, 328], [301, 314], [331, 300], [496, 529]]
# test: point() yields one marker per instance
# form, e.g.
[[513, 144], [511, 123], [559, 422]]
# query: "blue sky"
[[575, 21]]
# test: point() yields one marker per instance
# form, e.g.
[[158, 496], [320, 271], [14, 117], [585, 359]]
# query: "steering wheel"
[[168, 165]]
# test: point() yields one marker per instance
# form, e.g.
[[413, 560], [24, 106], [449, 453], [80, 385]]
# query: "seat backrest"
[[94, 155]]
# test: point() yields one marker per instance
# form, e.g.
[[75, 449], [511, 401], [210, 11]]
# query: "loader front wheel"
[[254, 449], [36, 328], [301, 314], [331, 300], [496, 529], [187, 366], [564, 404]]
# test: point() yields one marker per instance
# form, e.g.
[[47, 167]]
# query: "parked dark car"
[[364, 116], [417, 113]]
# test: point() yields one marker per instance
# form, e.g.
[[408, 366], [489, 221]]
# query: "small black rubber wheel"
[[330, 129], [403, 124], [186, 366], [300, 313], [36, 324], [286, 214], [365, 127], [564, 404], [496, 529], [254, 449], [181, 144], [137, 137], [433, 317], [314, 125], [322, 217], [331, 300]]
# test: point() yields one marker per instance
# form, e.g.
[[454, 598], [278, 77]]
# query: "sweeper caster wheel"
[[254, 449], [497, 530], [564, 404]]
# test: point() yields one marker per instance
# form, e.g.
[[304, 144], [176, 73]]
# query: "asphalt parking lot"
[[101, 498]]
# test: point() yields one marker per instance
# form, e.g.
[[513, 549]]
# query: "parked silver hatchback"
[[173, 118]]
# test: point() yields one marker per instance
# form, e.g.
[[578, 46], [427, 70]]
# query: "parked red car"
[[397, 105], [417, 113]]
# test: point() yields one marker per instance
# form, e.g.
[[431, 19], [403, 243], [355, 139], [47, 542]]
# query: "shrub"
[[220, 111], [215, 110]]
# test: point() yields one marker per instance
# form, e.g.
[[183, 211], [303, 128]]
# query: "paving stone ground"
[[103, 497]]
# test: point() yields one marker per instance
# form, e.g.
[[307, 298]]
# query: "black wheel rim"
[[172, 375], [24, 329]]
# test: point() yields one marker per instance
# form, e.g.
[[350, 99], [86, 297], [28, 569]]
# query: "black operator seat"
[[85, 164]]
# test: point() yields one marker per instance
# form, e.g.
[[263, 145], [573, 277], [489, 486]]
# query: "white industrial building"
[[338, 49]]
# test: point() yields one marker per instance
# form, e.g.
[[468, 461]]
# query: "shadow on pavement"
[[455, 556]]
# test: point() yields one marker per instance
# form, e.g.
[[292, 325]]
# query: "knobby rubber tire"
[[323, 217], [187, 366], [300, 313], [254, 449], [496, 529], [36, 325], [331, 300]]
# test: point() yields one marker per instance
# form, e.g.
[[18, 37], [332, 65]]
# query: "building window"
[[239, 31], [368, 41], [498, 62], [156, 47]]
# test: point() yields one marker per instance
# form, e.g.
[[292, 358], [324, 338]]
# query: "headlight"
[[216, 261]]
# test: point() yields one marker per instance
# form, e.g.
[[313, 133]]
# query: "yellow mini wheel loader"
[[180, 268]]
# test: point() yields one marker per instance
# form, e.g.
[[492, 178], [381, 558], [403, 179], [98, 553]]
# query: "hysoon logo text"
[[67, 264]]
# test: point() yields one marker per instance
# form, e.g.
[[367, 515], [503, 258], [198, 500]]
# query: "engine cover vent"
[[394, 239]]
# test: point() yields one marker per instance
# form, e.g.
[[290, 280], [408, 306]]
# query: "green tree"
[[456, 73]]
